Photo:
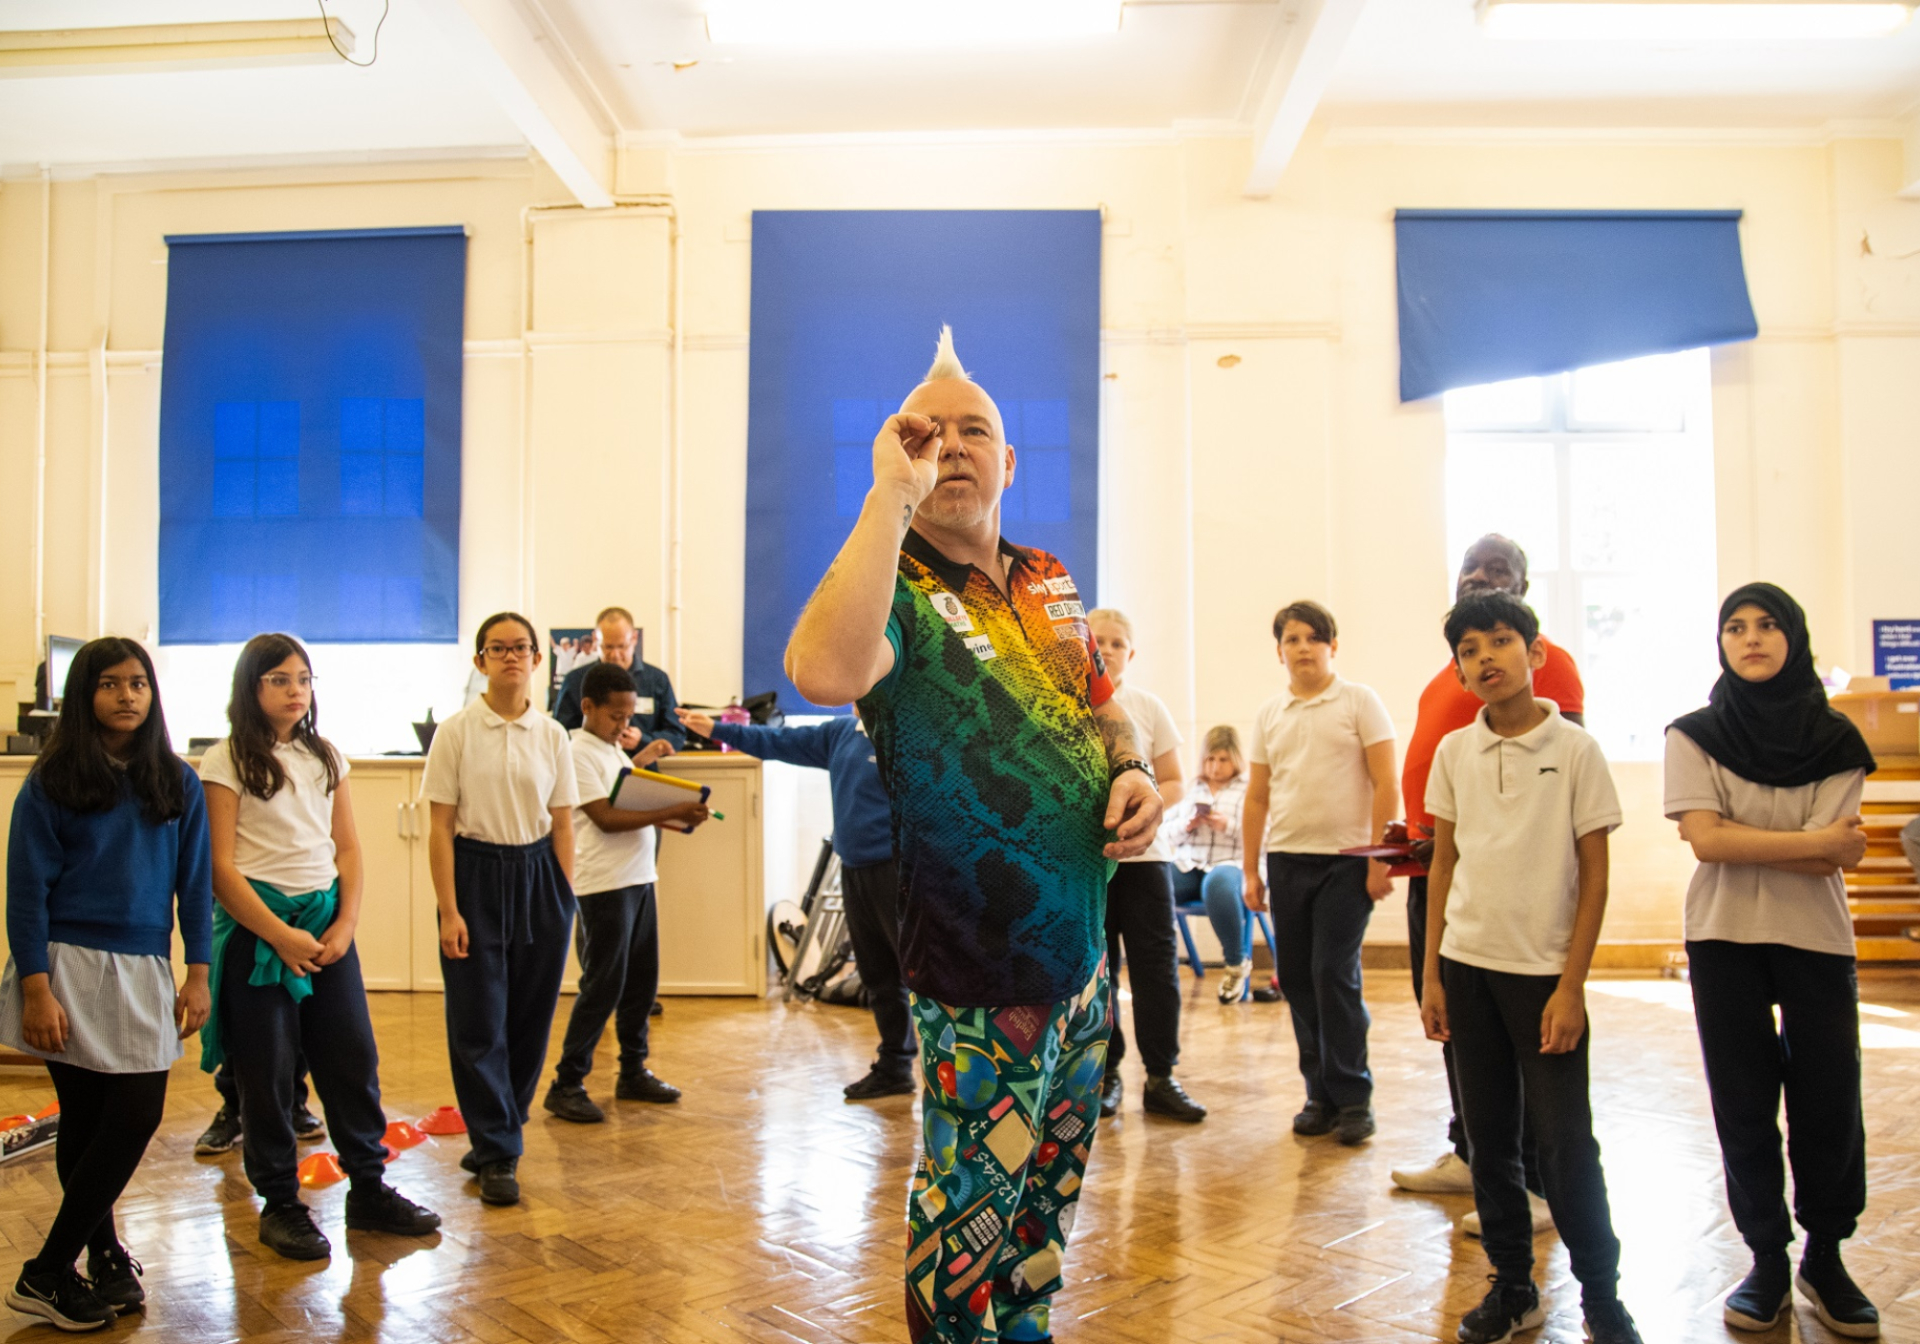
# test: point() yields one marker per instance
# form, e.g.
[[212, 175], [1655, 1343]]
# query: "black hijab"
[[1780, 731]]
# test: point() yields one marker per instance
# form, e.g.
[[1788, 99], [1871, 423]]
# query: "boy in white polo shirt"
[[1522, 805], [1321, 780]]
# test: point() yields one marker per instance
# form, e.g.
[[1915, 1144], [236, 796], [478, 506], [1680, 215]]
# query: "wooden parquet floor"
[[765, 1208]]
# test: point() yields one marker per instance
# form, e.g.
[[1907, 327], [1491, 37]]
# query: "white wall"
[[1254, 447]]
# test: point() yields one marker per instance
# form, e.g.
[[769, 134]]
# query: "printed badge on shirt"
[[1065, 611], [981, 645], [951, 609]]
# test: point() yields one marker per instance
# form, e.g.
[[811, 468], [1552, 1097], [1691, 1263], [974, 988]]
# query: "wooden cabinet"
[[712, 911]]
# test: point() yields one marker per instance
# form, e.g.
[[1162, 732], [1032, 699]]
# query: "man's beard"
[[956, 513]]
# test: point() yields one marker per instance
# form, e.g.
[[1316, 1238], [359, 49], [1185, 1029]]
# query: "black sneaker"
[[221, 1135], [500, 1182], [658, 1010], [307, 1126], [1353, 1125], [288, 1230], [1165, 1096], [469, 1162], [1315, 1118], [61, 1298], [1269, 993], [1763, 1296], [570, 1101], [1110, 1090], [116, 1278], [880, 1082], [1837, 1300], [643, 1086], [381, 1208], [1608, 1323], [1510, 1306]]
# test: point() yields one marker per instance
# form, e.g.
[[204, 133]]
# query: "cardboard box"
[[1889, 720]]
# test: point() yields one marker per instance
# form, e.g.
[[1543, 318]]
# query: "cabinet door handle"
[[402, 822]]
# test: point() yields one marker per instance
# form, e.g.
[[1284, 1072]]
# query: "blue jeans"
[[1219, 888]]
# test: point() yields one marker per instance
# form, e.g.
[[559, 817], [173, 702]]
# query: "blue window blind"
[[846, 308], [1488, 295], [310, 436]]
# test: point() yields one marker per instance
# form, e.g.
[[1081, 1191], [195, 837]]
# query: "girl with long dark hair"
[[287, 983], [109, 845], [501, 787], [1765, 783]]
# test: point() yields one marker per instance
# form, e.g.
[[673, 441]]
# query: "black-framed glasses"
[[500, 653]]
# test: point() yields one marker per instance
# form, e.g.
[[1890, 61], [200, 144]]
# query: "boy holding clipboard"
[[613, 876]]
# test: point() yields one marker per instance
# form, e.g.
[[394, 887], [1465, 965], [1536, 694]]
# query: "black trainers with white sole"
[[61, 1298], [1763, 1296], [1837, 1299], [1510, 1306], [116, 1279], [220, 1136]]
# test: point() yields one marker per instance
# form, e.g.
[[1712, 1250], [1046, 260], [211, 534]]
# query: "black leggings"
[[106, 1120]]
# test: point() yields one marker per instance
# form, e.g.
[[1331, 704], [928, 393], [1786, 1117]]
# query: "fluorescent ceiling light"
[[172, 46], [1695, 20], [907, 23]]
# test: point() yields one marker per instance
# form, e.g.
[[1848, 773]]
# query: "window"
[[1605, 477]]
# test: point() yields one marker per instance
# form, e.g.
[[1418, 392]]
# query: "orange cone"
[[12, 1122], [321, 1169], [401, 1135], [446, 1120], [51, 1110]]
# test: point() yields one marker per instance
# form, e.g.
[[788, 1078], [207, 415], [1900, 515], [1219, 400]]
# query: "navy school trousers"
[[271, 1040], [501, 996]]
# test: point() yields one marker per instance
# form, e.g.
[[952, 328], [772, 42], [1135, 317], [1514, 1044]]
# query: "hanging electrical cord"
[[386, 6]]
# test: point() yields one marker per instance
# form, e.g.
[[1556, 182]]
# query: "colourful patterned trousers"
[[1011, 1102]]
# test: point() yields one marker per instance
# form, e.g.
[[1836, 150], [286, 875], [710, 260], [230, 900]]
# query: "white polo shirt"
[[605, 860], [501, 775], [1320, 796], [1155, 735], [1518, 804], [285, 841]]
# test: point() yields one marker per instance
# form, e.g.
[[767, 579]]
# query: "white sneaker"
[[1233, 981], [1542, 1217], [1447, 1176]]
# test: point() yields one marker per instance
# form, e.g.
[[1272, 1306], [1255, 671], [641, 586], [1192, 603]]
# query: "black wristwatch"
[[1135, 764]]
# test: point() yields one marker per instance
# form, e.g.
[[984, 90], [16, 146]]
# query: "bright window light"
[[907, 23], [1712, 21]]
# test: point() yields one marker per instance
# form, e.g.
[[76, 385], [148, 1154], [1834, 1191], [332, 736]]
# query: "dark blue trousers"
[[1320, 913], [268, 1034], [619, 940], [230, 1091], [1494, 1018], [870, 895], [500, 997]]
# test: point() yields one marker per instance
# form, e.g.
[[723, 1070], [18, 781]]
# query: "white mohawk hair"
[[946, 364]]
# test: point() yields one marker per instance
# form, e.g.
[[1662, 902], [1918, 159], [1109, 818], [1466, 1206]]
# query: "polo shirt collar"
[[1331, 689], [952, 573], [1531, 740], [489, 719]]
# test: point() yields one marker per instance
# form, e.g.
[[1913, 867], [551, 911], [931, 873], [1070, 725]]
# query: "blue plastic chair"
[[1180, 913]]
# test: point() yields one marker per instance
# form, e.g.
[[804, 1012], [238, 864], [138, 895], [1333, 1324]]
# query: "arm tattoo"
[[1116, 733]]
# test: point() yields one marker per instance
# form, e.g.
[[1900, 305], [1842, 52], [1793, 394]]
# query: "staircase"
[[1884, 892]]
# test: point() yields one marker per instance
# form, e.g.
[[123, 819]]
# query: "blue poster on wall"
[[1896, 653], [847, 306], [310, 436]]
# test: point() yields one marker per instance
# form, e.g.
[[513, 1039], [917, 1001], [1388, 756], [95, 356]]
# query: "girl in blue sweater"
[[109, 840]]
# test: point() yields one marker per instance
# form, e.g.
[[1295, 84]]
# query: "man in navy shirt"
[[653, 716], [869, 882]]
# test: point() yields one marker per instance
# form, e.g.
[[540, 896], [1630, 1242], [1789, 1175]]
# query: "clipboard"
[[649, 791]]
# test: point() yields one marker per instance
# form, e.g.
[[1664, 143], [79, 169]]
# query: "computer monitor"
[[59, 662]]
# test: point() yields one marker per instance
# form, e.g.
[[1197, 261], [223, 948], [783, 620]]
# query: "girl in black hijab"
[[1765, 783]]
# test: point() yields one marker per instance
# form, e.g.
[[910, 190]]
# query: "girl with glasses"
[[500, 782], [286, 981]]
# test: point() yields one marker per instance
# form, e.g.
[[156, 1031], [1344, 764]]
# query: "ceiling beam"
[[173, 46], [516, 61], [1300, 78]]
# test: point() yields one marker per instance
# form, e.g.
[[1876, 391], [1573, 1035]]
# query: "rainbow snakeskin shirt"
[[985, 736]]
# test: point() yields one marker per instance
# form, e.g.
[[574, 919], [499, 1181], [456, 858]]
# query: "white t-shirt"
[[1749, 902], [285, 841], [605, 860], [1320, 796], [1155, 735], [1518, 805], [501, 775]]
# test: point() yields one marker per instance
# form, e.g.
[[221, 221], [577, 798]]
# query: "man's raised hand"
[[906, 457]]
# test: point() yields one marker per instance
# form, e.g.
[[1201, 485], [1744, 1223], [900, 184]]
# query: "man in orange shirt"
[[1493, 564]]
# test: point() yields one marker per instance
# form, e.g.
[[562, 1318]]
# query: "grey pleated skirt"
[[119, 1009]]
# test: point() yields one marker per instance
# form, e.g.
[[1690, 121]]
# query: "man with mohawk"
[[1015, 782]]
